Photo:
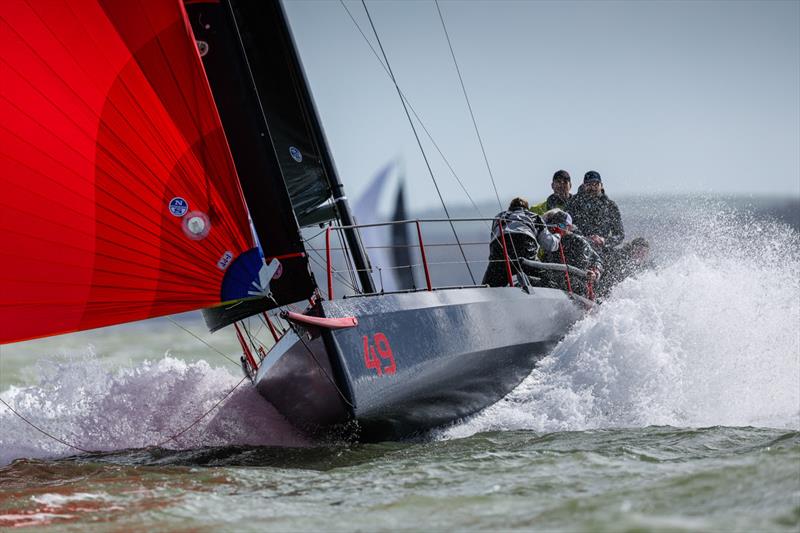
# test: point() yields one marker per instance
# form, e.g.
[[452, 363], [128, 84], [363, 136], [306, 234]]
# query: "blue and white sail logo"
[[225, 260], [178, 206], [295, 153]]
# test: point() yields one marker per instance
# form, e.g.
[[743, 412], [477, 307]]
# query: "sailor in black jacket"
[[523, 233], [596, 216], [577, 252]]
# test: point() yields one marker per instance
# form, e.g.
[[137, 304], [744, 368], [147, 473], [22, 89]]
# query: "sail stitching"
[[155, 136], [109, 154]]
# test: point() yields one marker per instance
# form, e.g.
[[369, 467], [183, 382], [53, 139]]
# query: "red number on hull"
[[370, 359], [384, 350]]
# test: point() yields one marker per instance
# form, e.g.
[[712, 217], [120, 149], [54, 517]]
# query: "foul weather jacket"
[[578, 253], [524, 232], [597, 215], [553, 202]]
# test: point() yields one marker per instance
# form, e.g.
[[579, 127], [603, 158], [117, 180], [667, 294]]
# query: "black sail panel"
[[401, 249], [260, 92], [281, 86]]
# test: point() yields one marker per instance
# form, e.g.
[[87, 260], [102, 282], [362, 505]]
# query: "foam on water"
[[81, 401], [709, 338]]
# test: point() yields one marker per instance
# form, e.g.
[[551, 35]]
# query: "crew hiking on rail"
[[521, 235], [575, 251], [595, 214]]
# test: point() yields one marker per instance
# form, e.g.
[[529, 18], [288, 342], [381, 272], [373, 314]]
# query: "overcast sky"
[[658, 97]]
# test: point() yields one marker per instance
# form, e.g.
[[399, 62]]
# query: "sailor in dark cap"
[[561, 185], [595, 214]]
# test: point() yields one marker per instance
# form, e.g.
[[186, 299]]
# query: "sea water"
[[673, 406]]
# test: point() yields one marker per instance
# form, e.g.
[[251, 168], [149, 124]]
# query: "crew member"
[[596, 214], [576, 252], [561, 185], [523, 232]]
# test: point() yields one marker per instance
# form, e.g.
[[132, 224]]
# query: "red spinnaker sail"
[[118, 195]]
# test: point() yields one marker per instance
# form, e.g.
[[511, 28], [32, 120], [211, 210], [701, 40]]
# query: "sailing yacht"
[[161, 157]]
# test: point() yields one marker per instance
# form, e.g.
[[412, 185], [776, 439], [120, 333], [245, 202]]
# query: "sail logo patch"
[[178, 206], [225, 260], [295, 153]]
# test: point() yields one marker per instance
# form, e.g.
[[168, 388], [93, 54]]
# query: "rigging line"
[[469, 106], [411, 107], [416, 136], [349, 264], [319, 262], [258, 331], [349, 261], [201, 340], [43, 432], [264, 325], [201, 417], [309, 239], [160, 444], [246, 328], [251, 76]]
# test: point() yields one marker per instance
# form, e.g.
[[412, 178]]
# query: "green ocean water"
[[648, 479]]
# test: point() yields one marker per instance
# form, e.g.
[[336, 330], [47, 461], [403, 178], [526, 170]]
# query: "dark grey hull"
[[415, 360]]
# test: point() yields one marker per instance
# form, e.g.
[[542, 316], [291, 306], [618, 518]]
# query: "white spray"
[[80, 401], [710, 338]]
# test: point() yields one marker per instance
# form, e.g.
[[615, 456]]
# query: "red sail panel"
[[118, 195]]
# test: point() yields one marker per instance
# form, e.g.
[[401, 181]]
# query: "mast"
[[359, 255]]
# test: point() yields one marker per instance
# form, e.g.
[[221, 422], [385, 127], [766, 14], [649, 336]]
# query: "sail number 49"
[[378, 354]]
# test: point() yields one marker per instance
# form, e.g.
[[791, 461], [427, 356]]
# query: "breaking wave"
[[709, 338], [80, 401]]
